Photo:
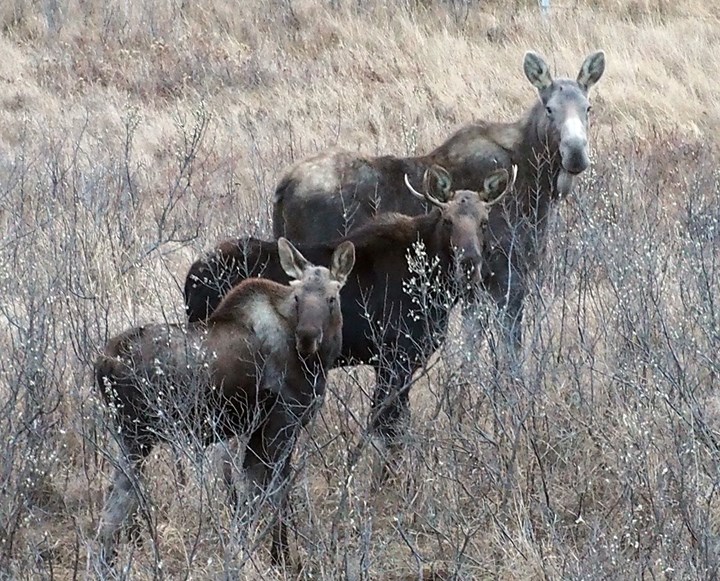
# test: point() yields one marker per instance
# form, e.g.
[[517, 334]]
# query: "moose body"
[[386, 323], [336, 191], [325, 196], [256, 368]]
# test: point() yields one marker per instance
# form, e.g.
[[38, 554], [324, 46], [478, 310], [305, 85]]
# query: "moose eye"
[[589, 108], [332, 300], [549, 111]]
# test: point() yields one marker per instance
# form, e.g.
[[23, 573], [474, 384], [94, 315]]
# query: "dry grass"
[[135, 135]]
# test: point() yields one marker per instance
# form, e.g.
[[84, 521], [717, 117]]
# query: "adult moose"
[[387, 324], [257, 368], [335, 191]]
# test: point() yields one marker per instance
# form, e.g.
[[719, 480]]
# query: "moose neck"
[[539, 168]]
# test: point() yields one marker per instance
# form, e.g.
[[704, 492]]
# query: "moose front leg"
[[390, 415], [506, 286], [513, 321], [268, 467]]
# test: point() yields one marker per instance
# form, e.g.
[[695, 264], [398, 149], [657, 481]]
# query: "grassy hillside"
[[135, 135]]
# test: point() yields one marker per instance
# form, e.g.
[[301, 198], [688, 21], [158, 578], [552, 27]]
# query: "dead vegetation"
[[134, 136]]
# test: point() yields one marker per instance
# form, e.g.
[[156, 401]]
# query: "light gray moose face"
[[566, 107], [316, 293]]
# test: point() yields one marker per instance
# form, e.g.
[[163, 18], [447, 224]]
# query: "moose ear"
[[499, 183], [495, 185], [443, 183], [343, 260], [292, 262], [537, 71], [591, 70]]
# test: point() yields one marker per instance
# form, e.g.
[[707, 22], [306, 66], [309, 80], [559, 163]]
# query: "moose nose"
[[471, 264], [485, 271], [307, 341], [574, 155], [470, 257]]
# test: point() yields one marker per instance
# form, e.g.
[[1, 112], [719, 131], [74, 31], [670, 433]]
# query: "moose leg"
[[228, 471], [390, 415], [267, 464], [512, 323], [122, 502], [507, 288]]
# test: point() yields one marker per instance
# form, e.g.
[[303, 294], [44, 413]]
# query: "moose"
[[386, 323], [337, 190], [257, 367]]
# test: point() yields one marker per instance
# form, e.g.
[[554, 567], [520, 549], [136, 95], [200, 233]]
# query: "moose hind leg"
[[122, 502], [228, 458]]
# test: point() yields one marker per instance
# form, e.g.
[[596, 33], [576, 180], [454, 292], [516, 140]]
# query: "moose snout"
[[471, 263], [308, 340], [471, 257], [574, 155]]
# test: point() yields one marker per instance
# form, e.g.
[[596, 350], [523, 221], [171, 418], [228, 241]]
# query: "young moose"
[[385, 324], [257, 367]]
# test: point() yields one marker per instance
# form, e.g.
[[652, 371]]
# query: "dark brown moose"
[[257, 368], [409, 272], [334, 191]]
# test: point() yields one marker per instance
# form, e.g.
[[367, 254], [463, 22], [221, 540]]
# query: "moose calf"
[[257, 366]]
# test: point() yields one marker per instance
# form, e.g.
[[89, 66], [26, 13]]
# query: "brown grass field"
[[134, 135]]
